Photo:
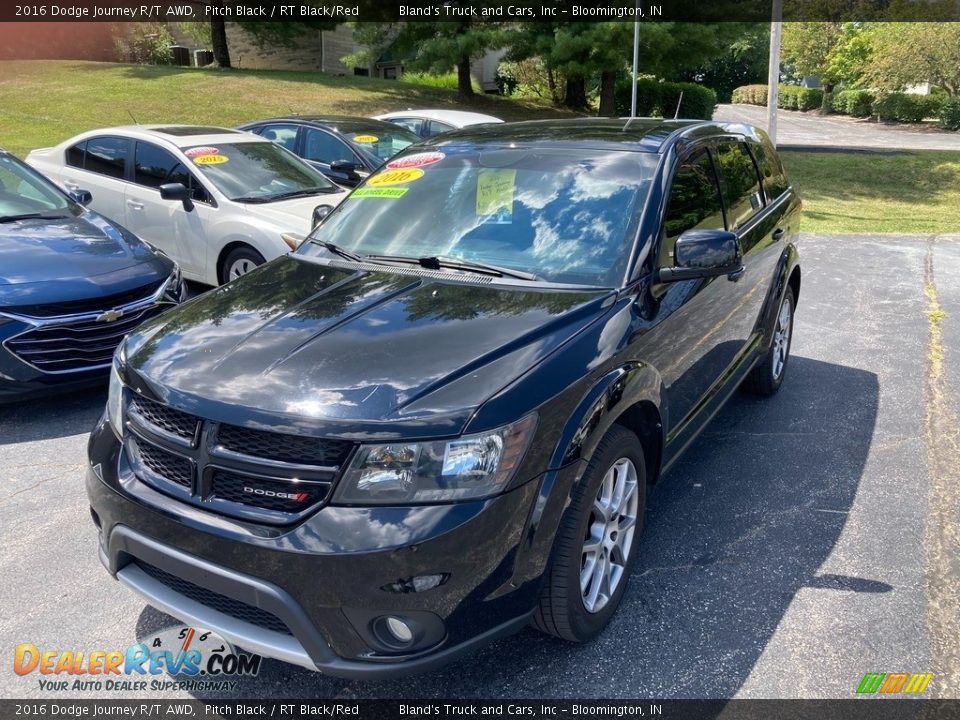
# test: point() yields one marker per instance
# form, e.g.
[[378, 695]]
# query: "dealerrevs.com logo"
[[183, 658]]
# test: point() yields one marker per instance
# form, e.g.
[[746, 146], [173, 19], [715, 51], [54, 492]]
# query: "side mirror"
[[177, 191], [703, 254], [84, 197], [320, 212], [347, 167]]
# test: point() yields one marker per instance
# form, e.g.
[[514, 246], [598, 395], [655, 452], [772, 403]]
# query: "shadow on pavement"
[[743, 521], [52, 417]]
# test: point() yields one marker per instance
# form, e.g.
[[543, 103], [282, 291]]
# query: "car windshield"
[[567, 216], [381, 144], [24, 193], [257, 172]]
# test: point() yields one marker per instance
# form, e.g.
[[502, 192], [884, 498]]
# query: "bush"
[[809, 99], [950, 113], [903, 107], [750, 95], [655, 98], [143, 43], [446, 81], [858, 103], [789, 97]]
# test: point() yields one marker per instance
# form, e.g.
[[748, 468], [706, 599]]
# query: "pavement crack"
[[943, 523]]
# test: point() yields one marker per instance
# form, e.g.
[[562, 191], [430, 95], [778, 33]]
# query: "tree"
[[744, 62], [806, 48], [904, 54]]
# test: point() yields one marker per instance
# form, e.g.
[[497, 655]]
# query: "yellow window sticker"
[[495, 190], [388, 192], [365, 138], [396, 177], [211, 159]]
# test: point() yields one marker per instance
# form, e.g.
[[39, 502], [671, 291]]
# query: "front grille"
[[263, 494], [221, 603], [175, 422], [89, 305], [76, 346], [283, 446], [176, 469]]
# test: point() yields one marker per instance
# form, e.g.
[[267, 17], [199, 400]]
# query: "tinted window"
[[380, 144], [566, 215], [285, 135], [324, 147], [76, 154], [152, 165], [437, 127], [107, 156], [774, 179], [741, 185], [414, 125], [694, 203]]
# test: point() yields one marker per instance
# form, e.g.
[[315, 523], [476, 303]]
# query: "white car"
[[219, 202], [427, 123]]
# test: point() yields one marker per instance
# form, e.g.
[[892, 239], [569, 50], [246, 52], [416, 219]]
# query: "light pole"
[[773, 71], [636, 57]]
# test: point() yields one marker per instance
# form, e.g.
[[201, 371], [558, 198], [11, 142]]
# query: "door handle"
[[778, 234], [134, 205], [70, 185], [736, 274]]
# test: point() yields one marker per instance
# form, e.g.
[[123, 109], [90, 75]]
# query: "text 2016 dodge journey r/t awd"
[[437, 420]]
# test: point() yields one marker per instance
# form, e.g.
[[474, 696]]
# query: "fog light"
[[400, 630]]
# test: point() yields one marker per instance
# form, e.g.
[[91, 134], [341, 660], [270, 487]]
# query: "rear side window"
[[694, 203], [107, 156], [741, 184], [437, 127], [76, 154], [285, 135], [775, 181], [324, 147], [414, 125]]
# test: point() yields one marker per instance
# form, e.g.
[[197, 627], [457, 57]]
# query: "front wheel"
[[765, 379], [596, 543], [239, 261]]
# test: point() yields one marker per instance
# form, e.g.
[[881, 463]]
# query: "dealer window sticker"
[[211, 159], [495, 191], [396, 177], [389, 193], [415, 161], [365, 138], [202, 150]]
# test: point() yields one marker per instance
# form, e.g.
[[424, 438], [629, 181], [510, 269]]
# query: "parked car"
[[218, 201], [345, 149], [72, 284], [428, 123], [437, 421]]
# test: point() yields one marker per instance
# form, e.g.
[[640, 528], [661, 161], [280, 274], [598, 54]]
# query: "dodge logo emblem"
[[110, 316]]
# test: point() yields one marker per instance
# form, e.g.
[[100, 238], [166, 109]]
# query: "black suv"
[[437, 421]]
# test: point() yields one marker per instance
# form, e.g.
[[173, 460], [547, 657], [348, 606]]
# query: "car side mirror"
[[320, 212], [347, 167], [177, 191], [703, 254], [84, 197]]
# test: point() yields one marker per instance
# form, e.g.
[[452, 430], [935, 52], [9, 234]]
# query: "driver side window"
[[320, 146], [694, 203]]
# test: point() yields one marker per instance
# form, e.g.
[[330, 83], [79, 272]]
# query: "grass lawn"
[[856, 192], [45, 102]]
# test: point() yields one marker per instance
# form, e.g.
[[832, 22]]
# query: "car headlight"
[[175, 288], [467, 468], [115, 393]]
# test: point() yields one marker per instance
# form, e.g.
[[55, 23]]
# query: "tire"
[[767, 377], [565, 610], [239, 261]]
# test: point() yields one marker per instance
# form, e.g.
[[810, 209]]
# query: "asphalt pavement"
[[801, 542]]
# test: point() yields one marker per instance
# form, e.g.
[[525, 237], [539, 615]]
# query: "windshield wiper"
[[31, 216], [436, 262], [301, 193], [341, 251], [251, 199]]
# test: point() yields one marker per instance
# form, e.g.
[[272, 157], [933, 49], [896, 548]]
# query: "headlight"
[[175, 289], [470, 467], [115, 393]]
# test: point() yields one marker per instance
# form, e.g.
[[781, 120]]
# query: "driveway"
[[841, 132], [801, 542]]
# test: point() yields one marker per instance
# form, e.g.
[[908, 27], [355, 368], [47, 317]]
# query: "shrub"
[[903, 107], [446, 81], [950, 113], [143, 43], [750, 94], [858, 103], [809, 98], [661, 98], [789, 97]]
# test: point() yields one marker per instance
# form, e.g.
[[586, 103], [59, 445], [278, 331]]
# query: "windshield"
[[257, 171], [25, 193], [381, 145], [568, 216]]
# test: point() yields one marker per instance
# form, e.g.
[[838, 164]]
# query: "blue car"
[[72, 285]]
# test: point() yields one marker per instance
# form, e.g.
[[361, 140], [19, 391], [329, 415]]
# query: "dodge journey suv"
[[437, 421]]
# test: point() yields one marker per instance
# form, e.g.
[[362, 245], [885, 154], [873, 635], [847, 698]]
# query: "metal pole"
[[773, 72], [636, 57]]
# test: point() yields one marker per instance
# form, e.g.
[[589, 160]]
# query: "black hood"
[[319, 342]]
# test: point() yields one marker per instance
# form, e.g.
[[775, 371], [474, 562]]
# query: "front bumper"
[[324, 581]]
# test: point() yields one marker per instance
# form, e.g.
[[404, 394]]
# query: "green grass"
[[46, 102], [856, 192]]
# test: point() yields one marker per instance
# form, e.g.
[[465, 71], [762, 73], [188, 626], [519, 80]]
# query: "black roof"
[[341, 123], [188, 130], [639, 134]]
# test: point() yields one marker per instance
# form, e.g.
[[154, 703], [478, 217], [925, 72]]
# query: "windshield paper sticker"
[[210, 159], [387, 192], [365, 138], [415, 161], [396, 177], [495, 189], [202, 150]]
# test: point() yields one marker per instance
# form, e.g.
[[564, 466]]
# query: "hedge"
[[657, 98], [901, 107]]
